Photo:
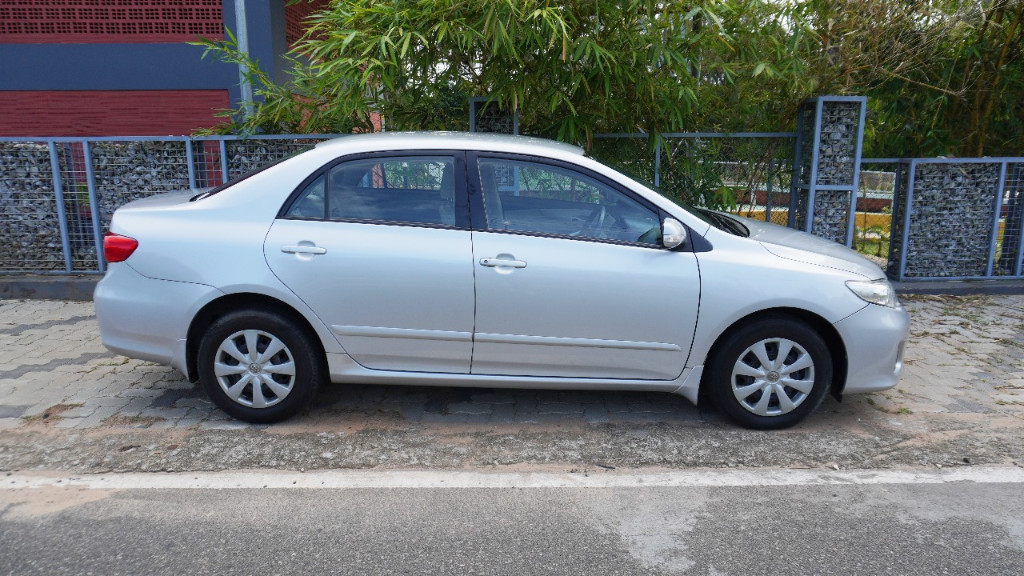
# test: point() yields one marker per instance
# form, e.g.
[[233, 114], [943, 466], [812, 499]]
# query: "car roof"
[[449, 141]]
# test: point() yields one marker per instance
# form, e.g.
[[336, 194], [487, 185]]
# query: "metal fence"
[[927, 218], [746, 172], [57, 195]]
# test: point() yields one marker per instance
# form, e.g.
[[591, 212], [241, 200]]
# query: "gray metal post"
[[94, 208], [1019, 268], [223, 161], [906, 221], [856, 172], [242, 37], [794, 198], [897, 178], [58, 192], [191, 165], [998, 208], [657, 162], [815, 151]]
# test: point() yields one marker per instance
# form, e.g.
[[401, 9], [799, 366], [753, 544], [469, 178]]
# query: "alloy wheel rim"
[[772, 377], [254, 368]]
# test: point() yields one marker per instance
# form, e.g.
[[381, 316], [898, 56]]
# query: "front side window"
[[538, 198], [408, 190]]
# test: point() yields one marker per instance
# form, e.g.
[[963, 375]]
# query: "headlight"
[[878, 292]]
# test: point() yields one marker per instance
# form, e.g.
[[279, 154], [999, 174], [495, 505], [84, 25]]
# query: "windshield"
[[720, 220]]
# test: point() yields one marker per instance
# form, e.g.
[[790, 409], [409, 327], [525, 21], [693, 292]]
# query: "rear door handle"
[[303, 249], [495, 262]]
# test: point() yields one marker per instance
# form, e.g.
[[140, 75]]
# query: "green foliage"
[[960, 92], [572, 68], [690, 174], [298, 106], [942, 76]]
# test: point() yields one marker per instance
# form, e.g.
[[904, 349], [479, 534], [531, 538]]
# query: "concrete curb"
[[39, 287], [961, 287]]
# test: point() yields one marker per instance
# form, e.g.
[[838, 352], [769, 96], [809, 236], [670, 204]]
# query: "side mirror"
[[673, 233]]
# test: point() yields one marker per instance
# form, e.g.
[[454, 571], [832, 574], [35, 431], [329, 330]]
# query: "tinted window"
[[311, 202], [530, 197], [408, 189]]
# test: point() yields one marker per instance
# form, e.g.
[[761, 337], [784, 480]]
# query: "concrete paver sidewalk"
[[965, 355]]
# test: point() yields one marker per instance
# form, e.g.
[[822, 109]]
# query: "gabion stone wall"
[[491, 118], [126, 171], [831, 215], [123, 170], [244, 156], [838, 143], [29, 231], [838, 146], [951, 211]]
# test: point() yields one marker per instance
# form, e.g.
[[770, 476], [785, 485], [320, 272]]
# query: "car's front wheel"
[[258, 366], [771, 373]]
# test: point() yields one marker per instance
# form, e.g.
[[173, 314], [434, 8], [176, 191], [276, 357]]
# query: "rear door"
[[380, 248]]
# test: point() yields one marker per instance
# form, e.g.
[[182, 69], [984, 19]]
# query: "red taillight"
[[117, 248]]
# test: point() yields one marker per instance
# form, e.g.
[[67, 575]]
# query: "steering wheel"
[[594, 223]]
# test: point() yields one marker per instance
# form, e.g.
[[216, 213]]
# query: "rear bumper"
[[874, 337], [145, 318]]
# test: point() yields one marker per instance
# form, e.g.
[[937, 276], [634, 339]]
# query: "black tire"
[[777, 395], [280, 395]]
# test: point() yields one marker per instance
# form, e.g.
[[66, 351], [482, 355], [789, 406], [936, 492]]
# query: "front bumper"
[[874, 337]]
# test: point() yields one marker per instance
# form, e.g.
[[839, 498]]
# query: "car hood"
[[803, 247]]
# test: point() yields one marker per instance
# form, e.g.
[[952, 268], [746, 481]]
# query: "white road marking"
[[355, 479]]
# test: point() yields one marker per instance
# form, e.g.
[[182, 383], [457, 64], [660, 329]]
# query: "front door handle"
[[303, 249], [495, 262]]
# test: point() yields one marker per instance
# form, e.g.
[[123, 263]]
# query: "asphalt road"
[[707, 523]]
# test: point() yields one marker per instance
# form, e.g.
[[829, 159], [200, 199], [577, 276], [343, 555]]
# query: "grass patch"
[[879, 248], [1010, 342], [902, 411], [51, 414], [133, 421]]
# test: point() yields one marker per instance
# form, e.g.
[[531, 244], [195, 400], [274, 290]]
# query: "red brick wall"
[[109, 21], [295, 18], [109, 113]]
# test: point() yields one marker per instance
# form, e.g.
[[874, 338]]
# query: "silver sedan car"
[[483, 260]]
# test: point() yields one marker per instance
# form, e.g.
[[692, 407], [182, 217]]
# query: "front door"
[[571, 280]]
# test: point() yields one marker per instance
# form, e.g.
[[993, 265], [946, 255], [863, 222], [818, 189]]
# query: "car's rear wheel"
[[771, 373], [258, 366]]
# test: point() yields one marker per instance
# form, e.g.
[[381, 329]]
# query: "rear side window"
[[407, 190], [312, 203]]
